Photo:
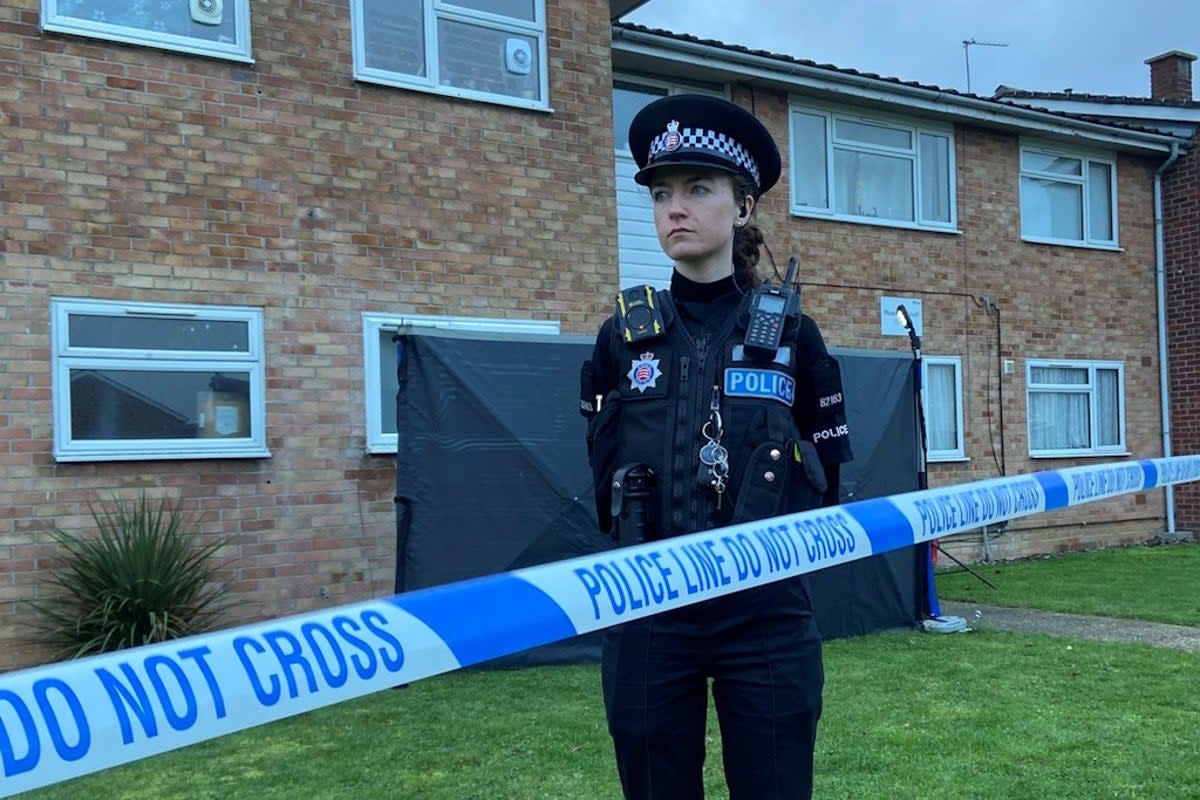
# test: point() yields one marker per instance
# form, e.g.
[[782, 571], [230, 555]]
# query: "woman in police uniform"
[[718, 431]]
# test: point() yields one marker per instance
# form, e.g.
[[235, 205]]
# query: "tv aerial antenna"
[[967, 44]]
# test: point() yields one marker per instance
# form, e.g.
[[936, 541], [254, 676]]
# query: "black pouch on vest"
[[806, 478]]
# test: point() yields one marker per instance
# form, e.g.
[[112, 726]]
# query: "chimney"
[[1171, 76]]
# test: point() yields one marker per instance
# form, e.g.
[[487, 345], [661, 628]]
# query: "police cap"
[[703, 131]]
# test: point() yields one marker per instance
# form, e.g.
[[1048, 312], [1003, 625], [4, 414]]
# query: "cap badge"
[[673, 139], [644, 373]]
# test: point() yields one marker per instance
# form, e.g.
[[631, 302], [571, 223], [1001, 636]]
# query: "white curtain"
[[941, 407], [1059, 420]]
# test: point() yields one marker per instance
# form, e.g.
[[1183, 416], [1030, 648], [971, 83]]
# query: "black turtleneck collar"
[[705, 307], [688, 291]]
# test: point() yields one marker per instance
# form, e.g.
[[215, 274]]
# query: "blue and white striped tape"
[[64, 720]]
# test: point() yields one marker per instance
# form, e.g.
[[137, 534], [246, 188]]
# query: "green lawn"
[[908, 716], [1152, 583]]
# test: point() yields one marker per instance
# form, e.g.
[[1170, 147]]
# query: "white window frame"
[[915, 127], [65, 356], [1085, 158], [375, 325], [55, 19], [958, 452], [1090, 388], [432, 11]]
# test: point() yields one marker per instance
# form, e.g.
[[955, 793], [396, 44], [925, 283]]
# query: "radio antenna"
[[967, 43]]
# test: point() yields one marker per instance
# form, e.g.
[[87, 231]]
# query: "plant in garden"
[[142, 577]]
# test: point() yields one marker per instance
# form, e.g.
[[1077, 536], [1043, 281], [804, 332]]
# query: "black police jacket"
[[784, 424]]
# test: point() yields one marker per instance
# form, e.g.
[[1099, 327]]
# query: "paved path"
[[1080, 626]]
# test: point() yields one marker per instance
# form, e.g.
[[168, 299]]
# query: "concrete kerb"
[[1079, 626]]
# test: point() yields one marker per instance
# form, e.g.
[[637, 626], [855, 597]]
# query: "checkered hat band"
[[710, 141]]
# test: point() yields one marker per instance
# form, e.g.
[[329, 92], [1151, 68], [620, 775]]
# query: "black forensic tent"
[[492, 473]]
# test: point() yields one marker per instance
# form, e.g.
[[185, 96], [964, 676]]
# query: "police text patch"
[[766, 383]]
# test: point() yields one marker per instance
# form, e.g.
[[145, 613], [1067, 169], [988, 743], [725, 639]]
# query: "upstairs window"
[[1076, 408], [217, 28], [877, 169], [489, 50], [1068, 197], [156, 381]]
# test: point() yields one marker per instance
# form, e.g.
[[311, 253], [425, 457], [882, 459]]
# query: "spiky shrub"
[[142, 577]]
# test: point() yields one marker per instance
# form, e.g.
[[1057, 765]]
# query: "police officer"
[[699, 424]]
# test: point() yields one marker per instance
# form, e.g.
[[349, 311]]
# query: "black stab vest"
[[666, 388]]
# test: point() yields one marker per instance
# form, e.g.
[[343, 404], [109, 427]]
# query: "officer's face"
[[694, 214]]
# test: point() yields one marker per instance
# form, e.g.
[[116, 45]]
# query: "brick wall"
[[142, 175], [1055, 302], [133, 174], [1181, 241]]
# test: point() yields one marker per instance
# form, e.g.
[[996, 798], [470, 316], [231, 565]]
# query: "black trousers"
[[761, 650]]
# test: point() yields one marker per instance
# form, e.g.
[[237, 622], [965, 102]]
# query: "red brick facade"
[[1181, 242], [140, 175]]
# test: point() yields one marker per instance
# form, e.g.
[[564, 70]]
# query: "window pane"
[[394, 36], [148, 404], [519, 9], [1058, 375], [1051, 208], [389, 382], [1100, 202], [1043, 162], [866, 133], [1059, 421], [935, 178], [151, 333], [175, 18], [488, 60], [1108, 407], [810, 166], [870, 185], [941, 407], [628, 99]]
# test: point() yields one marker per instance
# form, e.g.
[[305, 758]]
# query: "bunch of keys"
[[713, 454]]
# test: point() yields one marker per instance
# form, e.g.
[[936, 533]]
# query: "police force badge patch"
[[644, 373]]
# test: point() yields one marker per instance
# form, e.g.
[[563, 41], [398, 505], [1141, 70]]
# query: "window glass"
[[935, 178], [809, 168], [487, 60], [1059, 421], [395, 36], [156, 333], [519, 9], [1100, 201], [1075, 409], [156, 381], [628, 100], [158, 404], [488, 50], [218, 28], [873, 185], [1058, 375], [1108, 404], [941, 407], [1044, 162], [866, 133], [845, 164], [1051, 209]]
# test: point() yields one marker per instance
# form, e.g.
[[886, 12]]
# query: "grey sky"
[[1095, 46]]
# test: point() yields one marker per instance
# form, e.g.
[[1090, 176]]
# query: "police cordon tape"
[[67, 719]]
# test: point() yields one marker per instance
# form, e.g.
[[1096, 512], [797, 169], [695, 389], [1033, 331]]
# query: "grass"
[[1150, 583], [908, 716]]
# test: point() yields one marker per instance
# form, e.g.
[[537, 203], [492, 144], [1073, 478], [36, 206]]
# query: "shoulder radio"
[[770, 308]]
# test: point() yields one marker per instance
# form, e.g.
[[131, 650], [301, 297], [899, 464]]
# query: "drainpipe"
[[1160, 280]]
